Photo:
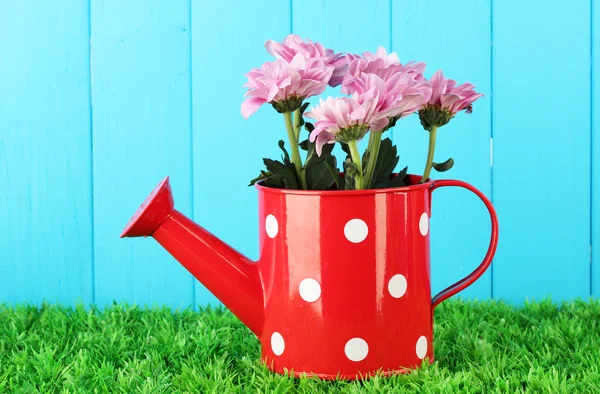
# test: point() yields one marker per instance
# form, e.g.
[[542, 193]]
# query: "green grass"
[[480, 347]]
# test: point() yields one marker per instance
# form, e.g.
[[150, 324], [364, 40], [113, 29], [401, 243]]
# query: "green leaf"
[[277, 183], [309, 127], [318, 176], [351, 168], [445, 166], [299, 122], [313, 159], [350, 173], [320, 172], [342, 185], [399, 180], [365, 160], [386, 162], [303, 107], [333, 170], [403, 172], [286, 156], [346, 149], [282, 174], [392, 123], [263, 175]]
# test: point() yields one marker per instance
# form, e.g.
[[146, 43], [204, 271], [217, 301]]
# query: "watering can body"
[[342, 286]]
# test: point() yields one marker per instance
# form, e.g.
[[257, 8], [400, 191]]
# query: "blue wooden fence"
[[99, 101]]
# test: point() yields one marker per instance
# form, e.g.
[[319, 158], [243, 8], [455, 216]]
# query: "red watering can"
[[342, 286]]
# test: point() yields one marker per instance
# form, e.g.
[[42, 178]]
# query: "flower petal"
[[359, 113], [322, 139], [273, 90], [299, 61], [251, 105], [450, 101], [278, 50], [379, 124], [438, 87]]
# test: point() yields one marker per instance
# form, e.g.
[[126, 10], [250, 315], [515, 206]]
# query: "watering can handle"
[[473, 276]]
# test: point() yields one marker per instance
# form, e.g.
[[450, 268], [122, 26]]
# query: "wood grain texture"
[[328, 23], [82, 142], [228, 41], [45, 159], [141, 122], [334, 24], [453, 37], [542, 149], [595, 149]]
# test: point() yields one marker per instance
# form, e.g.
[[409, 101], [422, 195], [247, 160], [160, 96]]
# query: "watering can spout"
[[229, 275]]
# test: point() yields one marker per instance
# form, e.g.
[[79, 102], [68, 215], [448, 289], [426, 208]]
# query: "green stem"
[[373, 149], [430, 153], [289, 125], [353, 145], [297, 127]]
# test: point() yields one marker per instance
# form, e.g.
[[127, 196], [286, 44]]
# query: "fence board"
[[166, 89], [141, 123], [595, 149], [541, 148], [45, 159], [227, 41], [453, 37], [333, 23]]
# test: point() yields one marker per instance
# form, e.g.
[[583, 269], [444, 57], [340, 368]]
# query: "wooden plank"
[[333, 23], [453, 37], [45, 157], [595, 148], [228, 39], [542, 149], [141, 122]]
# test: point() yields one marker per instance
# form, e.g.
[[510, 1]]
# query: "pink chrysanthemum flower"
[[398, 96], [447, 95], [380, 64], [373, 106], [344, 119], [293, 44], [285, 84], [447, 99]]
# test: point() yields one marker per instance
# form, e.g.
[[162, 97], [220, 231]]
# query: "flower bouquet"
[[342, 285], [378, 92]]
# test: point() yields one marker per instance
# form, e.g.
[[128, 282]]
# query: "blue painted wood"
[[595, 149], [45, 199], [227, 42], [542, 148], [328, 23], [53, 233], [334, 24], [453, 37], [141, 122]]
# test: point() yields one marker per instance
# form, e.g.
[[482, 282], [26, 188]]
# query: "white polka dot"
[[422, 347], [271, 226], [277, 343], [424, 224], [310, 290], [397, 286], [356, 230], [356, 349]]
